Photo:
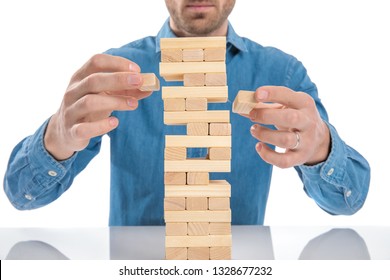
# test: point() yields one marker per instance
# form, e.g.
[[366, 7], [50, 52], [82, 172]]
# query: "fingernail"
[[253, 115], [253, 128], [132, 102], [261, 95], [134, 68], [113, 122], [259, 147], [134, 79]]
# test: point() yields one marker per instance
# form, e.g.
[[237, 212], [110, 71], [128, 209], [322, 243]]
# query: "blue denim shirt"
[[339, 185]]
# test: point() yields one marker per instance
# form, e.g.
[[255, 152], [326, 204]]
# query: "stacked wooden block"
[[197, 209], [245, 102]]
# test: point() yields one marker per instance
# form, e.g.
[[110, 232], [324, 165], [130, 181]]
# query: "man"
[[102, 98]]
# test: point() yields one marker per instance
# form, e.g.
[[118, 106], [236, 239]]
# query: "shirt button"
[[330, 172], [28, 196], [52, 173], [348, 193]]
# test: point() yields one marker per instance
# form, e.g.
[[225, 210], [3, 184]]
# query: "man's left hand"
[[300, 129]]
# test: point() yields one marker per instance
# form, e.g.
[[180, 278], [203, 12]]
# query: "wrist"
[[323, 150], [53, 142]]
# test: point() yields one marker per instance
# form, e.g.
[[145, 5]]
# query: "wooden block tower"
[[196, 209]]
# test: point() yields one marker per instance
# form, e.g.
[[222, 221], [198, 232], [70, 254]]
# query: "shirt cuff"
[[333, 170], [46, 170]]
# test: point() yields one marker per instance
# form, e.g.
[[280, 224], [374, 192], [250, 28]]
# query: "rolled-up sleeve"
[[340, 184], [34, 178]]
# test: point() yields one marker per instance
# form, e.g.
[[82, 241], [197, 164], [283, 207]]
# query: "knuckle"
[[293, 118], [86, 102], [78, 132], [90, 83], [71, 93], [68, 98], [96, 61], [308, 101]]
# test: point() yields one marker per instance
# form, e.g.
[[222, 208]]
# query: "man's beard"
[[201, 23]]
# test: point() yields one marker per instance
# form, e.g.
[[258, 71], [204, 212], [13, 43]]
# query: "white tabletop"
[[147, 242]]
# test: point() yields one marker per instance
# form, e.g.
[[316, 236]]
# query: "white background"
[[343, 44]]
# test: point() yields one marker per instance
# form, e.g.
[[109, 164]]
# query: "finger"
[[138, 94], [282, 139], [245, 115], [284, 96], [262, 105], [83, 132], [291, 118], [93, 107], [92, 103], [105, 63], [104, 82], [282, 160]]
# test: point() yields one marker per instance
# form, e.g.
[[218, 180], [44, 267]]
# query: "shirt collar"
[[232, 37]]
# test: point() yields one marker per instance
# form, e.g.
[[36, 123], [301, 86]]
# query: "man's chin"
[[198, 16], [199, 26]]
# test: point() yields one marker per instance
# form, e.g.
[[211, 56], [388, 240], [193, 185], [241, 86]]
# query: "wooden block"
[[174, 78], [220, 253], [196, 203], [174, 104], [174, 203], [193, 55], [220, 229], [196, 104], [181, 118], [220, 129], [218, 203], [213, 94], [197, 141], [197, 216], [176, 229], [196, 165], [215, 188], [220, 153], [175, 153], [150, 82], [172, 55], [199, 241], [198, 178], [193, 42], [198, 228], [197, 129], [194, 80], [173, 69], [198, 253], [215, 79], [178, 253], [175, 178], [215, 54], [245, 102]]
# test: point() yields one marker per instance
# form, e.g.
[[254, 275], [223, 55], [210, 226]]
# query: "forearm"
[[34, 178], [340, 184]]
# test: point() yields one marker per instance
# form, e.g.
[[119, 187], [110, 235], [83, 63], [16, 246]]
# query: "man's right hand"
[[104, 84]]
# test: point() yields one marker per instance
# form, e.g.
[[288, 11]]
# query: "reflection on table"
[[147, 243]]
